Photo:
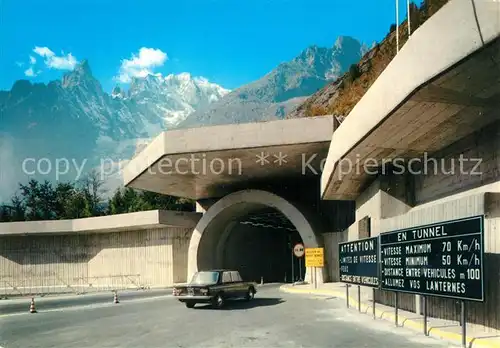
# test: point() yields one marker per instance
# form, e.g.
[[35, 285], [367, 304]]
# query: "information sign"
[[443, 259], [358, 262], [315, 257]]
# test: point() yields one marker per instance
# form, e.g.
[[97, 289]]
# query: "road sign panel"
[[314, 257], [358, 262], [443, 259], [298, 250]]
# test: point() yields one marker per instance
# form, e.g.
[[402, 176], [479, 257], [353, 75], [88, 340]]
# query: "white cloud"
[[29, 72], [63, 62], [32, 60], [141, 64], [19, 64], [67, 62], [43, 51]]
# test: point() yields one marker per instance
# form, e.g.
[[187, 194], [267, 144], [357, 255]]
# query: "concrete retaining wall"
[[93, 262]]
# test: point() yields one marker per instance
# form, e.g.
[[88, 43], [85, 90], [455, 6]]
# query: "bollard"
[[32, 306], [115, 299], [261, 280]]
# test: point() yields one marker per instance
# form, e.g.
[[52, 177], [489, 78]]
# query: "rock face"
[[283, 89]]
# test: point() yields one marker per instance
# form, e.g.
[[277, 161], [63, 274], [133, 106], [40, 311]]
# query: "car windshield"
[[205, 278]]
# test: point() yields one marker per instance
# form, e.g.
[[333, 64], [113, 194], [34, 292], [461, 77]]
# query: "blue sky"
[[230, 42]]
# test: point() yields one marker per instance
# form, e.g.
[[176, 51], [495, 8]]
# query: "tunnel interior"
[[254, 239]]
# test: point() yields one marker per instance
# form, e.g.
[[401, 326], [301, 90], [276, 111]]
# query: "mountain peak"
[[118, 92], [309, 51], [81, 74], [346, 42], [83, 68]]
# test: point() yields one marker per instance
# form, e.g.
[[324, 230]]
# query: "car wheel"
[[190, 304], [218, 301], [250, 294]]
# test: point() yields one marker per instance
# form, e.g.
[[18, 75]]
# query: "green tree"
[[30, 194], [18, 209], [5, 213], [127, 200], [116, 204], [43, 201], [92, 187]]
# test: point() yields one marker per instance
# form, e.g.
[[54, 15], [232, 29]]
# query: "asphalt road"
[[273, 319], [42, 304]]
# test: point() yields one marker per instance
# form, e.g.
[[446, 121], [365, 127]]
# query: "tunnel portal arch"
[[205, 246]]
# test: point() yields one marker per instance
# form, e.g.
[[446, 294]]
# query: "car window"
[[235, 276], [226, 277], [208, 278]]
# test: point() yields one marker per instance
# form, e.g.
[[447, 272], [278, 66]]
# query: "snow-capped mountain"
[[75, 120], [173, 97], [284, 88]]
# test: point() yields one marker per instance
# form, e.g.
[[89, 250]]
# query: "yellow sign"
[[315, 257]]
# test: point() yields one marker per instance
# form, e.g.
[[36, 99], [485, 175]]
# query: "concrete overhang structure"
[[443, 85], [210, 162], [103, 224]]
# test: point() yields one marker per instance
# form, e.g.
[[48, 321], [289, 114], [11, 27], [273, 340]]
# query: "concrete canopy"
[[213, 161], [444, 84]]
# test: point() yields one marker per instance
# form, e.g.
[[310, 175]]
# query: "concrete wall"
[[482, 149], [395, 202], [85, 262], [331, 242]]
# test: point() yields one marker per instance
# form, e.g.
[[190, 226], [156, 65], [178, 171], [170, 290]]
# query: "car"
[[214, 287]]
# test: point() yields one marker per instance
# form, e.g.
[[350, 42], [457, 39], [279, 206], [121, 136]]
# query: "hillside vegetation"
[[339, 97]]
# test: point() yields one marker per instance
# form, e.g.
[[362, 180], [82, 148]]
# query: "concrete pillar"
[[199, 208], [202, 205], [418, 309]]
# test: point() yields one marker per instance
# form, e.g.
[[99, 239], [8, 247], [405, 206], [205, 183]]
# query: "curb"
[[406, 322]]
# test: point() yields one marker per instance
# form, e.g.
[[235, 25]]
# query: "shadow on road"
[[239, 304]]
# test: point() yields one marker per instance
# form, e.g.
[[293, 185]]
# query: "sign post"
[[441, 259], [396, 306], [425, 315], [315, 258], [358, 264], [347, 294], [359, 298], [373, 304], [298, 251], [463, 319]]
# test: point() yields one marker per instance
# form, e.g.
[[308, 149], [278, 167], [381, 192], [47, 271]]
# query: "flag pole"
[[397, 26], [408, 14]]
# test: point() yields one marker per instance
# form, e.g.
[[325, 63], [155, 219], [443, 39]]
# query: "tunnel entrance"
[[254, 232], [260, 246]]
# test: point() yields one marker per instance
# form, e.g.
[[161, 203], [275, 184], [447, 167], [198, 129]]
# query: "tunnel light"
[[273, 226]]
